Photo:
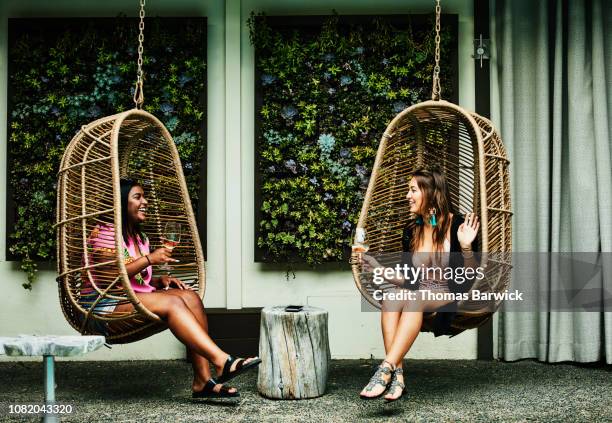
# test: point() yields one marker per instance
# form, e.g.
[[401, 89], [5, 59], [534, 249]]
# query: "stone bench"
[[49, 347], [294, 349]]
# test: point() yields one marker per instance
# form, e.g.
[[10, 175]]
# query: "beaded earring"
[[432, 217]]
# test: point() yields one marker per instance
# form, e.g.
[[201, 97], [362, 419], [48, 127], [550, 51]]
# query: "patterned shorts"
[[433, 285], [104, 307]]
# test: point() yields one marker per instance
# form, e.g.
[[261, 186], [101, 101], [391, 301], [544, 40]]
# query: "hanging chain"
[[138, 92], [437, 89]]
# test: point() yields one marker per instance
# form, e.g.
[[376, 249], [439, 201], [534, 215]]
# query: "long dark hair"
[[434, 188], [128, 229]]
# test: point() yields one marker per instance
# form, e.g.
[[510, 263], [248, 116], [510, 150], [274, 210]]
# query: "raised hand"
[[468, 230]]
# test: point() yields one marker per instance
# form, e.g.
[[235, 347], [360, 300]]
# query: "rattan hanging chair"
[[136, 145], [470, 152], [131, 144]]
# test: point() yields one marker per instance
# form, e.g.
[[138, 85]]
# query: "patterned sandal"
[[396, 384], [377, 379]]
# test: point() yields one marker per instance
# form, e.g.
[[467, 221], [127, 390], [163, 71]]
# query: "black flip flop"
[[241, 367], [209, 392]]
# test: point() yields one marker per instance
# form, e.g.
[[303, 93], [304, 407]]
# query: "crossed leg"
[[400, 328], [389, 321], [201, 368], [184, 313], [408, 328]]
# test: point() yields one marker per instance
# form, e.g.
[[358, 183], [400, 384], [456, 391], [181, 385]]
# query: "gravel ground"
[[438, 390]]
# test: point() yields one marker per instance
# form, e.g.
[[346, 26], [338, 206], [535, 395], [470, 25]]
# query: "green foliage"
[[64, 78], [328, 93]]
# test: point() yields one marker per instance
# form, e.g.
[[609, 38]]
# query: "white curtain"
[[552, 101]]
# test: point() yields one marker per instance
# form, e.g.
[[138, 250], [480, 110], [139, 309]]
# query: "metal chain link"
[[139, 92], [437, 89]]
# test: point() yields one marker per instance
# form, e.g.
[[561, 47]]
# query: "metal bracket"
[[481, 49]]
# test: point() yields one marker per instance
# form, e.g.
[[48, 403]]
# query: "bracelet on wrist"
[[149, 260]]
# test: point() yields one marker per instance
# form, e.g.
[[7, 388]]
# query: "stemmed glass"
[[360, 244], [170, 239]]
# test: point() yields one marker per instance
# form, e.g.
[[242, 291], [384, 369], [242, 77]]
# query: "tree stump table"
[[294, 349]]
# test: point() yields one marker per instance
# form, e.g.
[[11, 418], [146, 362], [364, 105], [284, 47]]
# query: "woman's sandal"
[[208, 391], [396, 384], [241, 367], [377, 379]]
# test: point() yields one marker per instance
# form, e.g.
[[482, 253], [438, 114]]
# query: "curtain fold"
[[552, 87]]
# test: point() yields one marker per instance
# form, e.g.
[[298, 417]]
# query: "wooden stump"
[[294, 349]]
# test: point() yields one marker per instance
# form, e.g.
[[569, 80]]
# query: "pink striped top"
[[102, 238]]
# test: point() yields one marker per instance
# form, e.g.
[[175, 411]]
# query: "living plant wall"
[[326, 88], [65, 73]]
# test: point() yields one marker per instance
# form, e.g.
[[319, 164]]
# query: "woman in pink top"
[[101, 245], [169, 298]]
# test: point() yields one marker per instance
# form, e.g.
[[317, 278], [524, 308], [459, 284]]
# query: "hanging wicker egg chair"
[[131, 144], [470, 152], [136, 145]]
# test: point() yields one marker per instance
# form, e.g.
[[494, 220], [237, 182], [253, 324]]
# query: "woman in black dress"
[[436, 237]]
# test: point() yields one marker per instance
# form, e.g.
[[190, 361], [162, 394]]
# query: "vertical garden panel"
[[65, 73], [326, 88]]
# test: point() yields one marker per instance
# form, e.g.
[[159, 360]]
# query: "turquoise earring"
[[419, 220], [432, 217]]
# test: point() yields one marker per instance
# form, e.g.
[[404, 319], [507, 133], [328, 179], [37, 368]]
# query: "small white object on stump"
[[294, 349]]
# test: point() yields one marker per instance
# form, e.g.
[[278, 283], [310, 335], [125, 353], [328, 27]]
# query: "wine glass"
[[360, 245], [170, 239]]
